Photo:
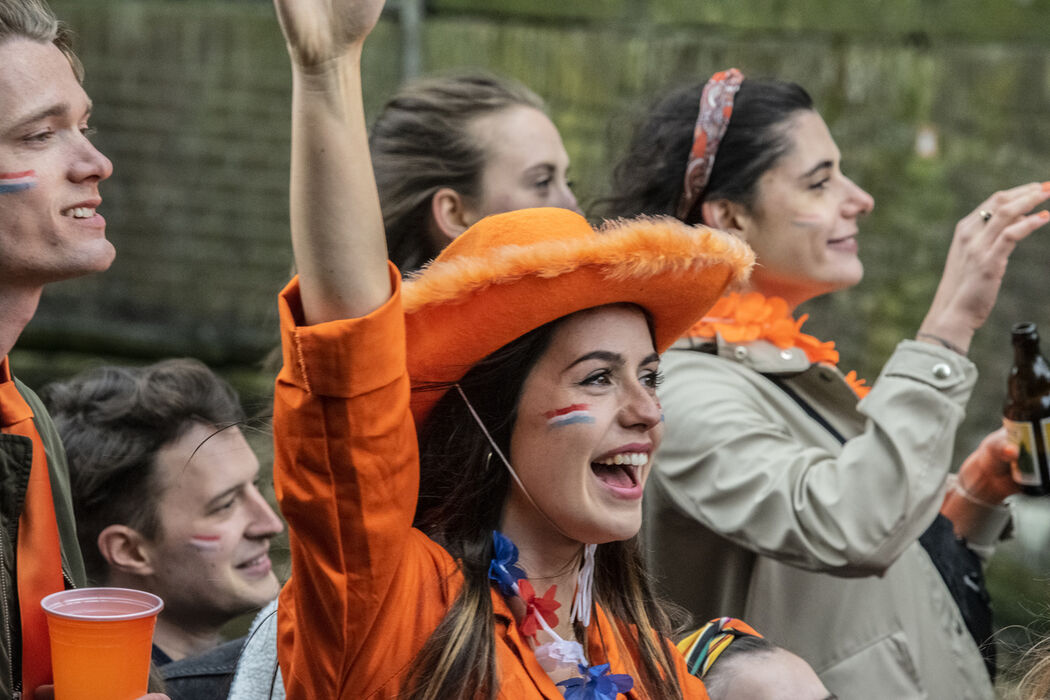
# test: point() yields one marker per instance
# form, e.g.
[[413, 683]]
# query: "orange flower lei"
[[742, 318]]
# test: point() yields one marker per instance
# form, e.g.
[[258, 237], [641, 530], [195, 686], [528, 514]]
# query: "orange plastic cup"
[[101, 639]]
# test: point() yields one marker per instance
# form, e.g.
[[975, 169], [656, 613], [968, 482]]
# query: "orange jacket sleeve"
[[346, 474]]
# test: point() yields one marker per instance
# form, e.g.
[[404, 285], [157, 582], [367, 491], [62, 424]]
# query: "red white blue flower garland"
[[595, 682]]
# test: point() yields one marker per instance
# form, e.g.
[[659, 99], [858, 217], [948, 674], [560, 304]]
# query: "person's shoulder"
[[29, 395], [42, 419], [203, 676], [220, 661]]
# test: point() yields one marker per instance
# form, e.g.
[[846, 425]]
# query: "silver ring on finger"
[[985, 215]]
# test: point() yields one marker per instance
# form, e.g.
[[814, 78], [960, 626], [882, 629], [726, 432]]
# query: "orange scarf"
[[742, 318], [38, 560]]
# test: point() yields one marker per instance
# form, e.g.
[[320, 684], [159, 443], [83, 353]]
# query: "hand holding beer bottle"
[[1026, 414]]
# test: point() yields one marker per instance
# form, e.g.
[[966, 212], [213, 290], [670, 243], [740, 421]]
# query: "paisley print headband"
[[716, 107]]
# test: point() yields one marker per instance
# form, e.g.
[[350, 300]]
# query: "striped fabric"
[[703, 647]]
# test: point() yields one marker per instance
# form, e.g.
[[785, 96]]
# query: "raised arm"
[[337, 226], [977, 258]]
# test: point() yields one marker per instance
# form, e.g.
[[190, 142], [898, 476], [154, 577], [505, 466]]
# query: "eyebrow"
[[58, 110], [817, 168], [611, 357], [225, 494], [544, 168]]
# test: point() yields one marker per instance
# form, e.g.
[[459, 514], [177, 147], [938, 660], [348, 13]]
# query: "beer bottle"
[[1026, 414]]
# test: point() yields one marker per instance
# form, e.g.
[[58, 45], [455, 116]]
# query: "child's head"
[[749, 666]]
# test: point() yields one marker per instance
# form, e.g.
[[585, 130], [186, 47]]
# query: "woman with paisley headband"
[[788, 492], [460, 456]]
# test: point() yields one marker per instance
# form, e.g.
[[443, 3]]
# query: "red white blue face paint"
[[206, 543], [570, 415], [17, 182], [811, 221]]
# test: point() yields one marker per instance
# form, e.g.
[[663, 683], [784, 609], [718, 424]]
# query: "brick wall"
[[192, 102]]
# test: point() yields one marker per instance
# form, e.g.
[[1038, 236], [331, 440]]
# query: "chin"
[[611, 529], [97, 259], [259, 596], [104, 257], [846, 279]]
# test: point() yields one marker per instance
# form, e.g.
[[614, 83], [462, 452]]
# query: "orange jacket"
[[367, 589]]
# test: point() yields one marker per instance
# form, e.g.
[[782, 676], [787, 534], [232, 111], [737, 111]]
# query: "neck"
[[791, 291], [17, 306], [182, 629], [550, 559], [178, 641]]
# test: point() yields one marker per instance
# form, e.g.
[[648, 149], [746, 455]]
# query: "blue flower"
[[597, 684], [502, 569]]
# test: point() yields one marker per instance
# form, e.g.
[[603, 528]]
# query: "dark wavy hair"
[[113, 421], [650, 176], [463, 489]]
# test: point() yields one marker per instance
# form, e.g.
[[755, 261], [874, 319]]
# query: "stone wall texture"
[[192, 104]]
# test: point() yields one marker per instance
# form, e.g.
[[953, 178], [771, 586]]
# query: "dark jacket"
[[16, 459], [205, 676]]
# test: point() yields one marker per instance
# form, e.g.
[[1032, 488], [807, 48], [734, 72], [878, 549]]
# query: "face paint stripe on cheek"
[[206, 542], [808, 221], [576, 413], [16, 182]]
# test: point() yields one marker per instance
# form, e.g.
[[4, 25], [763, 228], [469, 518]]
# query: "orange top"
[[743, 318], [367, 589], [38, 560]]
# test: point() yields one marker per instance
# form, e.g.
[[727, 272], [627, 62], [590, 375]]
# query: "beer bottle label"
[[1026, 469]]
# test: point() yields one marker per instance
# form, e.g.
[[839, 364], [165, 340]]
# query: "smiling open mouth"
[[842, 239], [621, 470], [260, 560]]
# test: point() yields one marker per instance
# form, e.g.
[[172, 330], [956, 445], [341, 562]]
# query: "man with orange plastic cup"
[[49, 231]]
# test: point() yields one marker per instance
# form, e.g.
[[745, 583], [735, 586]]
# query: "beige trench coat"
[[757, 511]]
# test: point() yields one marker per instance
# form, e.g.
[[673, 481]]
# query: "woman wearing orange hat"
[[531, 343], [788, 493]]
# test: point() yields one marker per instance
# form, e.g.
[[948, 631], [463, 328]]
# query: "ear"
[[125, 550], [450, 214], [731, 217]]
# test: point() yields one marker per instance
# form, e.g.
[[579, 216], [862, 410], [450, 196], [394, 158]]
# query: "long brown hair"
[[463, 488]]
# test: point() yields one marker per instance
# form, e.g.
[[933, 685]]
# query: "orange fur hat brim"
[[511, 273]]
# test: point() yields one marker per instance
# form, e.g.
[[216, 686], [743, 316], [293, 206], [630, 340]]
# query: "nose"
[[89, 163], [568, 199], [858, 201], [264, 522], [641, 409]]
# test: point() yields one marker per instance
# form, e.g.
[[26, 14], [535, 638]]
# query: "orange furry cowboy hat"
[[511, 273]]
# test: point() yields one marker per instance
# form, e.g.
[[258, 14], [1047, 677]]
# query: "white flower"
[[560, 653]]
